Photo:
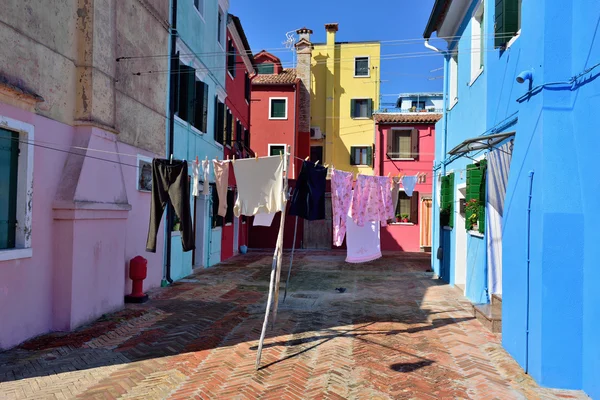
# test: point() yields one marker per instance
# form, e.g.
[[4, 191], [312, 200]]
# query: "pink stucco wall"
[[406, 237], [79, 264]]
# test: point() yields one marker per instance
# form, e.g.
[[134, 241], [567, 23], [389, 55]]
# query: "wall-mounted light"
[[524, 76]]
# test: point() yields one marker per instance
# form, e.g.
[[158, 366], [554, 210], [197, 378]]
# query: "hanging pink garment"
[[363, 243], [372, 200], [341, 196]]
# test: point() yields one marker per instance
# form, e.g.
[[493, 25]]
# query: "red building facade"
[[405, 146]]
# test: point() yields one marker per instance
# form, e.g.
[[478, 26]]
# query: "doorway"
[[460, 252]]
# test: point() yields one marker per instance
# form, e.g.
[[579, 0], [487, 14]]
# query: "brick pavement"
[[395, 333]]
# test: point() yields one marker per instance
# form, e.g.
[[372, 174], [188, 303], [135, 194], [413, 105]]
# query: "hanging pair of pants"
[[170, 182]]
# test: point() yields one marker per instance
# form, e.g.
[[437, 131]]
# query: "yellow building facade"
[[344, 94]]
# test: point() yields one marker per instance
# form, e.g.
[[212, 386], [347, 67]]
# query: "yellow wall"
[[333, 88]]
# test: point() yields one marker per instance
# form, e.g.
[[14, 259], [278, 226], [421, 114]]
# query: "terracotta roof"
[[286, 77], [404, 118]]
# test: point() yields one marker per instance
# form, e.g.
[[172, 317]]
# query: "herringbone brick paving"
[[395, 333]]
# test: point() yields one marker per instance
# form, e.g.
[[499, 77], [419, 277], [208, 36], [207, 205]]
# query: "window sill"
[[216, 228], [200, 14], [402, 223], [230, 75], [280, 119], [476, 234], [362, 76], [447, 228], [477, 75], [403, 159], [513, 40], [229, 224], [454, 102], [15, 254], [363, 118], [219, 145], [221, 45], [197, 131]]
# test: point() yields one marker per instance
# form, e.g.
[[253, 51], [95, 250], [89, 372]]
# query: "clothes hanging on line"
[[263, 219], [341, 198], [221, 170], [260, 185], [170, 183], [205, 177], [195, 179], [372, 200], [409, 182], [308, 198], [363, 243]]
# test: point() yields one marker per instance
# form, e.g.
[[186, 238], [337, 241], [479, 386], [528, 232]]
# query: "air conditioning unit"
[[315, 133]]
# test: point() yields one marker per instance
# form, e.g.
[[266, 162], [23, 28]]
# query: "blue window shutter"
[[9, 164]]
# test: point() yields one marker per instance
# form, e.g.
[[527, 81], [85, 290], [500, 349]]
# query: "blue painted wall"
[[555, 138], [200, 49]]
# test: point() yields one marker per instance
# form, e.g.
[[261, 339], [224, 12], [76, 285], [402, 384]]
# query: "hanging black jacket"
[[308, 199]]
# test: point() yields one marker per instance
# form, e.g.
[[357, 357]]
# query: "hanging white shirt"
[[260, 186], [195, 178]]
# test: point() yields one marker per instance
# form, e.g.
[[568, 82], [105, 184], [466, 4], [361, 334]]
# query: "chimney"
[[331, 30], [330, 131], [304, 57]]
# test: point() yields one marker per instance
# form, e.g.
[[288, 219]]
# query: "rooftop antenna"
[[290, 41]]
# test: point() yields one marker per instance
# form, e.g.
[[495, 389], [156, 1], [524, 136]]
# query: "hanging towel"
[[369, 202], [221, 169], [409, 183], [205, 179], [341, 198], [195, 179], [260, 185], [170, 182], [308, 199], [263, 219], [363, 243], [385, 193]]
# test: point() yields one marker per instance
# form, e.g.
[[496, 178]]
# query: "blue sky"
[[267, 21]]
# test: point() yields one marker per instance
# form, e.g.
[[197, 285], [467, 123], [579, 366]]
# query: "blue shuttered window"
[[9, 164]]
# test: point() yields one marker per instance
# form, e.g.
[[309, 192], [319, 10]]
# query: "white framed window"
[[276, 149], [362, 67], [221, 28], [144, 173], [453, 93], [477, 43], [199, 5], [16, 189], [361, 108], [361, 155], [277, 107]]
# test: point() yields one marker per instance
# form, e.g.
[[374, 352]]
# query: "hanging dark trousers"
[[308, 199], [170, 182]]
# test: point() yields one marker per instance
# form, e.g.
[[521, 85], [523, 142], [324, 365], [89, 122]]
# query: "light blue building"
[[518, 139], [199, 98]]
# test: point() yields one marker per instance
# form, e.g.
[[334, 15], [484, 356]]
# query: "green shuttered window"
[[507, 21], [9, 164], [361, 108], [361, 155], [476, 189], [278, 109], [447, 196]]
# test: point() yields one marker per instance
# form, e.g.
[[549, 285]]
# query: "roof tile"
[[286, 77], [404, 118]]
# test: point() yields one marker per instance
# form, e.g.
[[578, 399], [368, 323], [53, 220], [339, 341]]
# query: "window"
[[144, 171], [231, 58], [508, 21], [16, 189], [407, 209], [418, 105], [447, 206], [477, 43], [199, 4], [201, 107], [361, 66], [216, 219], [247, 138], [219, 120], [476, 196], [220, 25], [265, 68], [277, 108], [361, 108], [453, 79], [361, 155], [229, 128], [247, 87], [316, 153], [230, 204], [187, 93], [403, 144], [276, 149]]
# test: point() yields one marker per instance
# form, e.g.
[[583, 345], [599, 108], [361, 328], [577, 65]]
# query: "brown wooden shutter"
[[414, 208], [414, 143], [390, 144]]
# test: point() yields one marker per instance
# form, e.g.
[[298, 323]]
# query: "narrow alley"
[[395, 332]]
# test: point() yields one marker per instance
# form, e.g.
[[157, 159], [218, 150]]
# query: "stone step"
[[490, 316]]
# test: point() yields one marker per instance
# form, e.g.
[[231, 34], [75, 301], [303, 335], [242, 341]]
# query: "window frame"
[[453, 76], [414, 202], [258, 72], [369, 102], [200, 13], [221, 23], [368, 75], [231, 58], [141, 158], [24, 194], [367, 147], [477, 42], [271, 106], [402, 129], [271, 145]]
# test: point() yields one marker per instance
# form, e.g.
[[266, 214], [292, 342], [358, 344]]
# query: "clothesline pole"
[[275, 268], [291, 260]]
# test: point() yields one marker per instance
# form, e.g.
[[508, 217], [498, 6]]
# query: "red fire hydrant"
[[138, 268]]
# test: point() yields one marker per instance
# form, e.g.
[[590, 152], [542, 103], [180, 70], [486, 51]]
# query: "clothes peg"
[[389, 173], [256, 156], [228, 157], [281, 155], [306, 159], [171, 159], [316, 163], [326, 166], [197, 162], [206, 158], [233, 161]]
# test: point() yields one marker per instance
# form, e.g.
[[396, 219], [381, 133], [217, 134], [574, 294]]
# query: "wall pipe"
[[173, 89], [528, 263]]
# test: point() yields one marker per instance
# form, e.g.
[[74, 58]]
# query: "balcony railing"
[[412, 110]]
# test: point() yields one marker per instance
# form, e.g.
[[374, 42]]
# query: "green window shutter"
[[473, 182], [229, 127], [506, 21], [278, 108], [187, 93], [204, 125], [352, 108], [369, 108], [369, 155], [199, 106], [482, 195], [451, 198], [216, 124], [352, 159], [9, 165]]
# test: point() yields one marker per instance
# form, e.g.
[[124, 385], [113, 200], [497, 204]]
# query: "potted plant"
[[405, 218], [431, 109], [413, 109], [472, 210], [398, 218], [445, 216]]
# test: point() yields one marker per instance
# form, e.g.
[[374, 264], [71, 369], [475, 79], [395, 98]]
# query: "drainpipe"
[[172, 96], [528, 264]]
